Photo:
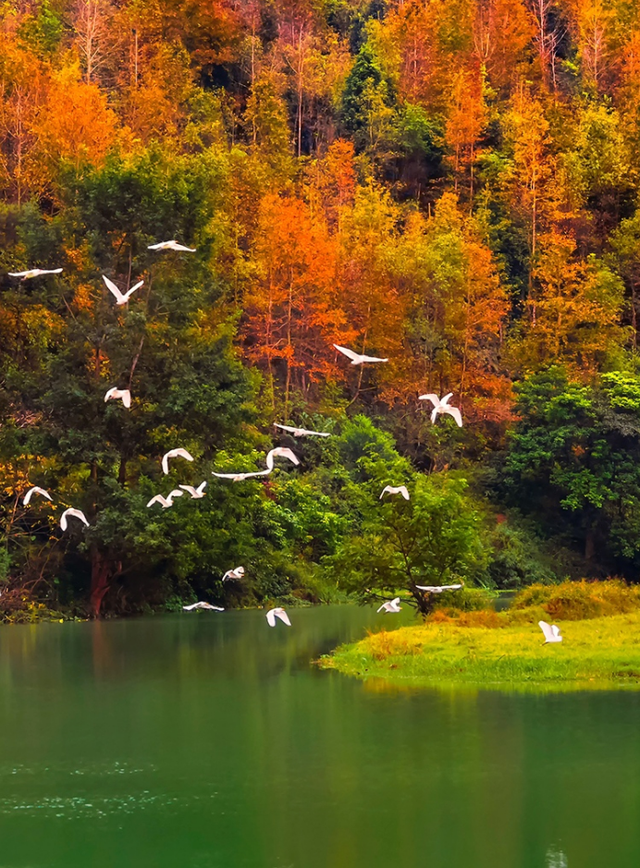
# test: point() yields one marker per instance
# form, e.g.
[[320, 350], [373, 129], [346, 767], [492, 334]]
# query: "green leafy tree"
[[432, 539], [368, 103], [574, 462]]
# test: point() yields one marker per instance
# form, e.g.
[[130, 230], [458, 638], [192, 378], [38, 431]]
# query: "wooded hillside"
[[449, 184]]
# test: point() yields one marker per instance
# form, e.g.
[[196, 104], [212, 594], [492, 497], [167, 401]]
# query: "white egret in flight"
[[278, 452], [395, 489], [165, 501], [75, 513], [551, 632], [174, 453], [438, 589], [171, 245], [442, 406], [35, 490], [391, 606], [302, 432], [114, 394], [121, 298], [357, 358], [34, 272], [279, 612], [202, 605], [239, 477], [196, 493], [236, 573]]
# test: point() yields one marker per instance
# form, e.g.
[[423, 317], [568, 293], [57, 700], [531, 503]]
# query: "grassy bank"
[[596, 653]]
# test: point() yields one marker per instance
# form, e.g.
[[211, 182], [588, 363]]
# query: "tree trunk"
[[589, 544], [424, 602], [100, 575]]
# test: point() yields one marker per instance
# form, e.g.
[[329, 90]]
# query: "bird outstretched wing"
[[348, 353], [280, 613], [430, 397], [174, 453], [72, 513], [120, 298], [35, 490], [372, 359], [280, 452], [239, 477], [547, 630], [302, 432], [457, 415], [271, 618]]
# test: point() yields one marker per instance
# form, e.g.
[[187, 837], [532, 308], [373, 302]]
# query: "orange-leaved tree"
[[456, 310], [293, 313]]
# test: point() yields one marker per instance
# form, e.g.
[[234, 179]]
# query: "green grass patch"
[[602, 652]]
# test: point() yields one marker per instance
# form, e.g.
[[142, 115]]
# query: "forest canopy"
[[449, 184]]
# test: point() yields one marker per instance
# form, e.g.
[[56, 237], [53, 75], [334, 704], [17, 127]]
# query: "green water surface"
[[207, 740]]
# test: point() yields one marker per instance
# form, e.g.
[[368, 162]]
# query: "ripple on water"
[[78, 807]]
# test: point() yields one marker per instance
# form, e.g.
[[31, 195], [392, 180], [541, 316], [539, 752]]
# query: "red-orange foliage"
[[293, 314]]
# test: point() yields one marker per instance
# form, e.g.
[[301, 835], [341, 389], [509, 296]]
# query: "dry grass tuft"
[[385, 644], [576, 601]]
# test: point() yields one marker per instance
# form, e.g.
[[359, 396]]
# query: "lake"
[[207, 740]]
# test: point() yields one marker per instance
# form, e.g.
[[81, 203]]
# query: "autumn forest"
[[449, 184]]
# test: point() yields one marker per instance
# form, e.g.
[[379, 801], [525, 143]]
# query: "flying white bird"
[[391, 606], [239, 477], [438, 589], [174, 453], [202, 605], [34, 272], [442, 406], [196, 493], [272, 614], [395, 489], [278, 452], [121, 298], [76, 513], [551, 632], [35, 490], [302, 432], [237, 573], [114, 394], [165, 501], [356, 358], [171, 245]]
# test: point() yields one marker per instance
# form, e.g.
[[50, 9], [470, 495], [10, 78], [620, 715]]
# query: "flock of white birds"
[[441, 406]]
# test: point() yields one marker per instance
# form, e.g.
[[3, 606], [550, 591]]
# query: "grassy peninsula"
[[601, 647]]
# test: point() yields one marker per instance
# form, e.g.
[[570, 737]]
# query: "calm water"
[[207, 741]]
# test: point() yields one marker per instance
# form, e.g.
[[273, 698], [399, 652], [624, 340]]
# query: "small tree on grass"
[[433, 539]]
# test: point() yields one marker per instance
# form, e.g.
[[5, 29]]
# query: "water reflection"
[[556, 859], [210, 741]]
